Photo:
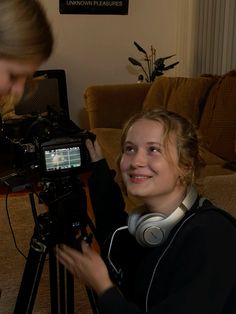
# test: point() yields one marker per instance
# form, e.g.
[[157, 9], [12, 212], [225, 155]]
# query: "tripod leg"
[[53, 274], [31, 277], [92, 300], [70, 292], [62, 287]]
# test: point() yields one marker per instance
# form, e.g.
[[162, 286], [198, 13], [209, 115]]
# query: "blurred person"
[[26, 41]]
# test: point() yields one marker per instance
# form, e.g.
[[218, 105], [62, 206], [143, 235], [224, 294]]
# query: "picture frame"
[[94, 7]]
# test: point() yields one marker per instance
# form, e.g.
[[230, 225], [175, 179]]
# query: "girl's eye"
[[155, 149], [129, 149], [13, 77]]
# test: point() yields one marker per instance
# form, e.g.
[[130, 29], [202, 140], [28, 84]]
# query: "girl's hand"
[[87, 265], [94, 149]]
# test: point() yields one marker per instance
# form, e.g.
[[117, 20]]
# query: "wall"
[[94, 49]]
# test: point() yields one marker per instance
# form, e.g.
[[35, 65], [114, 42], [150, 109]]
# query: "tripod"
[[62, 223]]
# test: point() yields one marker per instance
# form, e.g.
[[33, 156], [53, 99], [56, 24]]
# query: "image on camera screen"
[[62, 158]]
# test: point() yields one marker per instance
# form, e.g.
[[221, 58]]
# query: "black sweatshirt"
[[194, 271]]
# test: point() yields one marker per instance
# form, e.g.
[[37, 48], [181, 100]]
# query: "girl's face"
[[13, 76], [146, 170]]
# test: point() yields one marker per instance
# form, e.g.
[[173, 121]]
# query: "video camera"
[[49, 155], [49, 146]]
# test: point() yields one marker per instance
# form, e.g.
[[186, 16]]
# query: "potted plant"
[[154, 66]]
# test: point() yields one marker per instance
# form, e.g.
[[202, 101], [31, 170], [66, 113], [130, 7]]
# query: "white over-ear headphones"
[[153, 229]]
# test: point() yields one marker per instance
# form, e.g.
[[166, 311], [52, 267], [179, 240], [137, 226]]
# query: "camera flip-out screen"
[[62, 158]]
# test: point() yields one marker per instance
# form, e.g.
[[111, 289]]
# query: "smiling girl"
[[176, 253]]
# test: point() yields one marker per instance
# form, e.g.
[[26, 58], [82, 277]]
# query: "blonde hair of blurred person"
[[26, 41]]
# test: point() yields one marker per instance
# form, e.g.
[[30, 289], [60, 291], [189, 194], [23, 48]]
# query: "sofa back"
[[208, 101], [218, 121], [186, 96], [109, 106]]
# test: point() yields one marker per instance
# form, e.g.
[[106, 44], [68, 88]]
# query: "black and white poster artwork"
[[94, 7]]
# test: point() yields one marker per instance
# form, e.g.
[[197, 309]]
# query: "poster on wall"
[[94, 7]]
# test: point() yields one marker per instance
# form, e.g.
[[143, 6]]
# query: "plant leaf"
[[134, 62], [171, 66], [159, 64], [168, 57], [139, 48], [154, 74]]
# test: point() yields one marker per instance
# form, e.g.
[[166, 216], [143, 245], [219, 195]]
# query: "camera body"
[[50, 146]]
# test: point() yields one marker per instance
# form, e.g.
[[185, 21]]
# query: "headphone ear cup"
[[145, 228], [149, 231]]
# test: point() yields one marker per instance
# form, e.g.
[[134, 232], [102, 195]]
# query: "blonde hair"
[[187, 140], [25, 33]]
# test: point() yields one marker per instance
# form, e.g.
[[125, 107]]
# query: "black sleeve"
[[107, 200], [112, 301]]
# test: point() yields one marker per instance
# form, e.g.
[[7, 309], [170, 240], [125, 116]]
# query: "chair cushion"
[[221, 191], [218, 122], [109, 140], [182, 95]]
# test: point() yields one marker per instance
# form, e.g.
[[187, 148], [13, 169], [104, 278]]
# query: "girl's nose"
[[139, 159]]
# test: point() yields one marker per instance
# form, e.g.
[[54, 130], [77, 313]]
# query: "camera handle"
[[61, 281]]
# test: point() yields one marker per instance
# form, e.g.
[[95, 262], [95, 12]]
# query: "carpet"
[[12, 263]]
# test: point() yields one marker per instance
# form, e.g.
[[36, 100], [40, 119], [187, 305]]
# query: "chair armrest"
[[109, 106]]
